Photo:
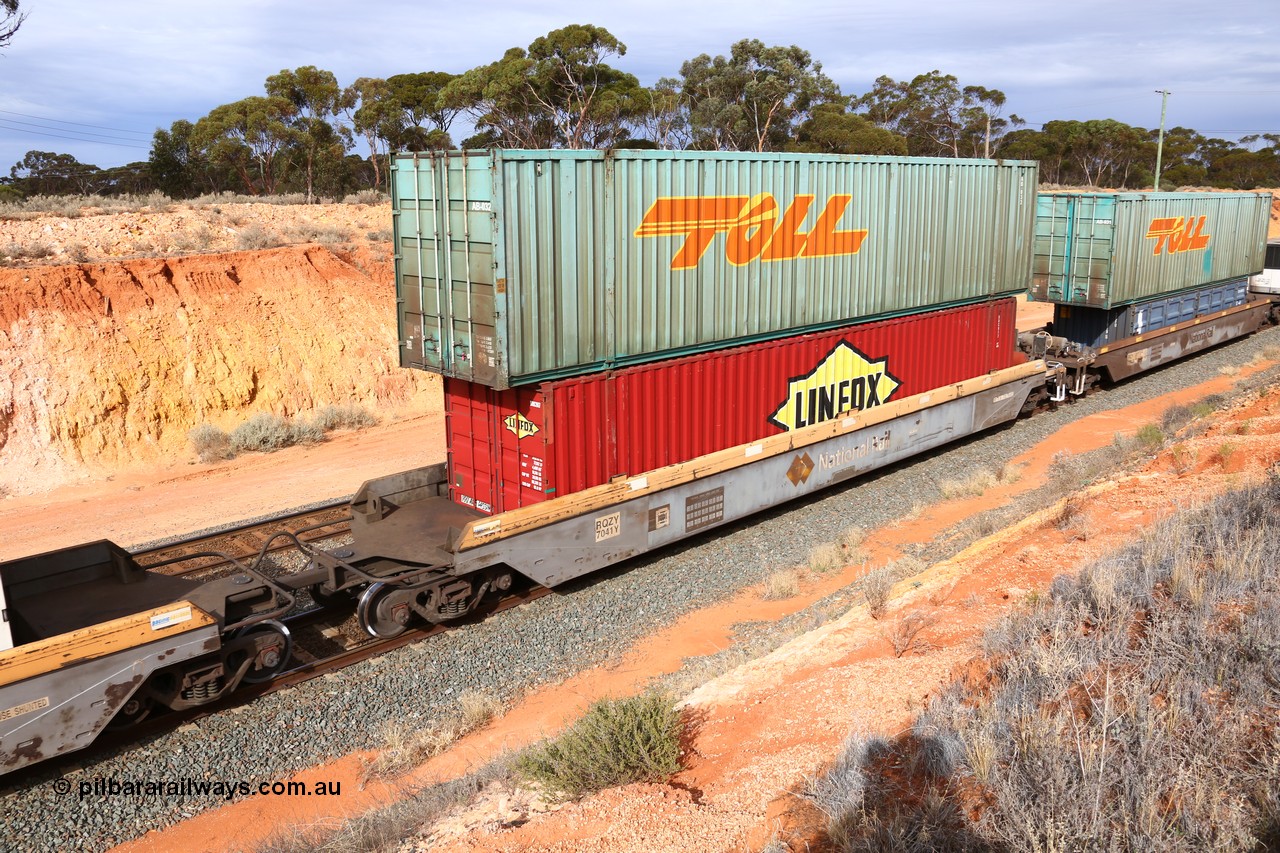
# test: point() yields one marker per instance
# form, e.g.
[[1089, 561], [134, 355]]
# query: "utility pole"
[[1164, 102]]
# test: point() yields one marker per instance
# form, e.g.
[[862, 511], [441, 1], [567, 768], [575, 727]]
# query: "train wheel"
[[132, 712], [384, 611], [272, 655]]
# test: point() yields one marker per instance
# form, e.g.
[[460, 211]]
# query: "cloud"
[[135, 65]]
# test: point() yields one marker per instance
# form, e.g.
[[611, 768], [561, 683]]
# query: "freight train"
[[638, 347]]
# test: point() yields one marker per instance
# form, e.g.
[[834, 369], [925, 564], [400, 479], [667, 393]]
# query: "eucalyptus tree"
[[11, 21], [370, 111], [831, 129], [937, 116], [559, 93], [418, 118], [753, 99], [317, 102], [248, 137]]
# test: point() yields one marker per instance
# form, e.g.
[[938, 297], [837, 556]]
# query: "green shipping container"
[[1110, 249], [513, 267]]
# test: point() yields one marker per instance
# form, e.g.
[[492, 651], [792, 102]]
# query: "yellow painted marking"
[[96, 641]]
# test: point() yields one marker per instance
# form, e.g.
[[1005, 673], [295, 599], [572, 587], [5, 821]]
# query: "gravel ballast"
[[585, 624]]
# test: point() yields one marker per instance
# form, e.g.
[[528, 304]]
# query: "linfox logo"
[[845, 380], [1178, 234], [751, 226], [520, 425]]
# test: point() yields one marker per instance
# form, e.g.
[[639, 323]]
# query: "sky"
[[96, 79]]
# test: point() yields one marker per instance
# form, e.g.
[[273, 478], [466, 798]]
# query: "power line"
[[73, 138], [76, 123], [81, 132]]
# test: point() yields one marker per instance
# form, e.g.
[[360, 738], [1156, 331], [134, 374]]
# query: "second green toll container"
[[1104, 250]]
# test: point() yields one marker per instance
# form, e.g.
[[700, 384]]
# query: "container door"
[[1074, 236], [444, 226], [472, 443]]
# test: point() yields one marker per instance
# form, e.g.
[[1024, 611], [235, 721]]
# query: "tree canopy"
[[11, 21], [564, 90]]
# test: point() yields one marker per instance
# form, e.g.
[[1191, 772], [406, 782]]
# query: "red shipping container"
[[517, 447]]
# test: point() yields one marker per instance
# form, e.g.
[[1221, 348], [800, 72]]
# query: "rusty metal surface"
[[64, 710]]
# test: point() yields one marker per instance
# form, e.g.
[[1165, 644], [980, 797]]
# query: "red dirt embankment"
[[107, 365]]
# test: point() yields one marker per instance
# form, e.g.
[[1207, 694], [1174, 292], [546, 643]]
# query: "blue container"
[[1099, 327]]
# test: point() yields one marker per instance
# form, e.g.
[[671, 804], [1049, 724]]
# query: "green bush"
[[1150, 436], [615, 743]]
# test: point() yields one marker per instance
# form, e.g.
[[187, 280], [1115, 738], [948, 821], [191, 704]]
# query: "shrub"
[[256, 237], [906, 630], [211, 443], [1226, 450], [333, 417], [266, 433], [1150, 437], [615, 743], [367, 197], [876, 587]]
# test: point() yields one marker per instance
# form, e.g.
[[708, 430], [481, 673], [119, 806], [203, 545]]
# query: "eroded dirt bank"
[[104, 366]]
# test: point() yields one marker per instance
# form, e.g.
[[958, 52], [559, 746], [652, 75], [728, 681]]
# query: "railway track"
[[247, 542]]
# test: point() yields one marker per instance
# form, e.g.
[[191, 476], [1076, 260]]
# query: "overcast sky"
[[95, 79]]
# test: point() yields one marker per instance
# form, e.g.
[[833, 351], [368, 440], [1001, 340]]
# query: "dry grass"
[[1132, 708], [406, 745], [827, 557], [877, 586], [782, 584], [974, 485], [851, 539]]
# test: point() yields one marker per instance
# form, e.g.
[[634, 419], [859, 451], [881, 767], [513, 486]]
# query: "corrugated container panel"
[[1109, 249], [581, 432], [514, 267], [1097, 327]]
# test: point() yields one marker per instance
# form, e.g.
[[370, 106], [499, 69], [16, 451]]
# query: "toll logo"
[[520, 425], [845, 380], [1176, 234], [753, 226]]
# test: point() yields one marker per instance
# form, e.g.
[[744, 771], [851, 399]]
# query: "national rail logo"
[[520, 425], [1178, 234], [843, 381], [752, 227]]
